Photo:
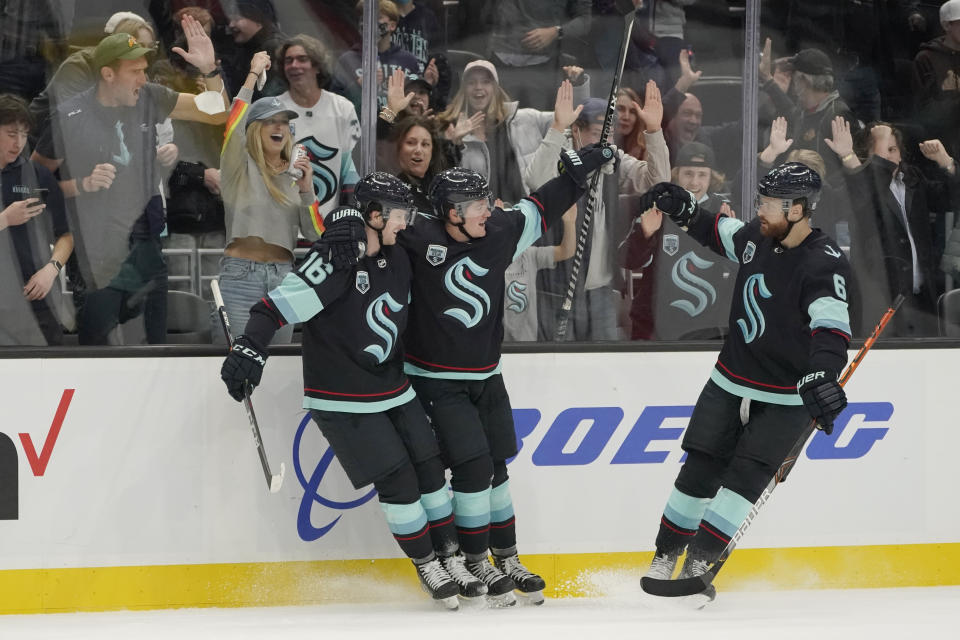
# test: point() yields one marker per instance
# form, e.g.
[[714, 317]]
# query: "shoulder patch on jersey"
[[436, 254], [748, 251], [671, 244], [363, 281], [830, 251], [382, 263]]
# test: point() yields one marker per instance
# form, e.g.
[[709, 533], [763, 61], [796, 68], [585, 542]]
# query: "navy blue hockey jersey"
[[789, 312], [353, 323], [456, 324]]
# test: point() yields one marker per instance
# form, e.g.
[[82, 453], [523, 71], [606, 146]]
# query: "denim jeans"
[[243, 282]]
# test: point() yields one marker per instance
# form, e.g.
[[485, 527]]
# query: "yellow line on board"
[[567, 575]]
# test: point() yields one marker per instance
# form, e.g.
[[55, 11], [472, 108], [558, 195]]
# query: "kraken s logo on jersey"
[[755, 285], [379, 322], [671, 244], [696, 286], [517, 297], [748, 252], [325, 182], [457, 283]]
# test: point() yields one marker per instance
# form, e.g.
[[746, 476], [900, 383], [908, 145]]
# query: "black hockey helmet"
[[380, 191], [457, 185], [791, 181]]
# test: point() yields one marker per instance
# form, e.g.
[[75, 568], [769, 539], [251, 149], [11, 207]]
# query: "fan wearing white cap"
[[499, 138]]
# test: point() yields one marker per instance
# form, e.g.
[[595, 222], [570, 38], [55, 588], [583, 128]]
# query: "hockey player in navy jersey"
[[789, 333], [453, 344], [352, 293]]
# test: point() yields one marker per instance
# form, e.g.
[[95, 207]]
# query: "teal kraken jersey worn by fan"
[[789, 311]]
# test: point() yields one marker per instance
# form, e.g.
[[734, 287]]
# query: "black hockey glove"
[[676, 202], [243, 367], [580, 164], [823, 397], [344, 241]]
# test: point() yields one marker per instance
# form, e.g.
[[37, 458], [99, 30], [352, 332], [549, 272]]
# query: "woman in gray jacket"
[[501, 146]]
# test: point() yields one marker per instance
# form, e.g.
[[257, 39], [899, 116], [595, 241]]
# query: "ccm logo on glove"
[[250, 353]]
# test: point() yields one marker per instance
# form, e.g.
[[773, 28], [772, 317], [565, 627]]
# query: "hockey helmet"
[[380, 191], [454, 187], [791, 181]]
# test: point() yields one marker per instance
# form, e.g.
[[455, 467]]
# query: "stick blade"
[[677, 588], [276, 481]]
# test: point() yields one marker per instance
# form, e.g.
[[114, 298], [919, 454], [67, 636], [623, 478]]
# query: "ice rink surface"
[[876, 614]]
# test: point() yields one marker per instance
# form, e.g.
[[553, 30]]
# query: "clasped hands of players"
[[675, 201]]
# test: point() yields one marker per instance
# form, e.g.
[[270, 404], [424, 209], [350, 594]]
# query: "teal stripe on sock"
[[501, 506], [404, 518], [471, 510], [727, 511], [685, 511], [437, 504]]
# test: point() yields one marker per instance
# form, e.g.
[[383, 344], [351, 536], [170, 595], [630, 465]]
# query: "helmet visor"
[[770, 204], [475, 208], [399, 212]]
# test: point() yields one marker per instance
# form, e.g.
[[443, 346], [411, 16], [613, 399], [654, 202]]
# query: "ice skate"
[[663, 566], [499, 586], [468, 584], [435, 580], [529, 584], [697, 566]]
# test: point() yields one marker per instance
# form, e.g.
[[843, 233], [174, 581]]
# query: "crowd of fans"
[[179, 126]]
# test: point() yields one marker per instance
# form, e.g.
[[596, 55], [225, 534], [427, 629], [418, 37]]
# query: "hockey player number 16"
[[315, 270]]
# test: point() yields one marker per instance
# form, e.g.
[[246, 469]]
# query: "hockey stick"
[[567, 305], [696, 584], [273, 480]]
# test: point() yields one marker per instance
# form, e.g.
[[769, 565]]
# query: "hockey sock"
[[722, 519], [408, 524], [681, 518], [439, 511], [503, 531], [471, 513]]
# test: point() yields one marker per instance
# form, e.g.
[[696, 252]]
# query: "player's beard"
[[776, 231]]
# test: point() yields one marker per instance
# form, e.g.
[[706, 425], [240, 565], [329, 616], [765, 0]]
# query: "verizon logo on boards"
[[10, 461]]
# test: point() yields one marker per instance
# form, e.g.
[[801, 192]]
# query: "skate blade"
[[531, 598], [501, 601], [449, 604], [693, 602]]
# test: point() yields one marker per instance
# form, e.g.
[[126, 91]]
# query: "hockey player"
[[453, 348], [354, 311], [789, 332]]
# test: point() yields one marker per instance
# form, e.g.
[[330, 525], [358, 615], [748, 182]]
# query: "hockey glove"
[[344, 241], [676, 202], [580, 164], [243, 367], [823, 397]]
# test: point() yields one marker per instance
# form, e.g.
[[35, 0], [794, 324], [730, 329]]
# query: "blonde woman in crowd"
[[265, 206]]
